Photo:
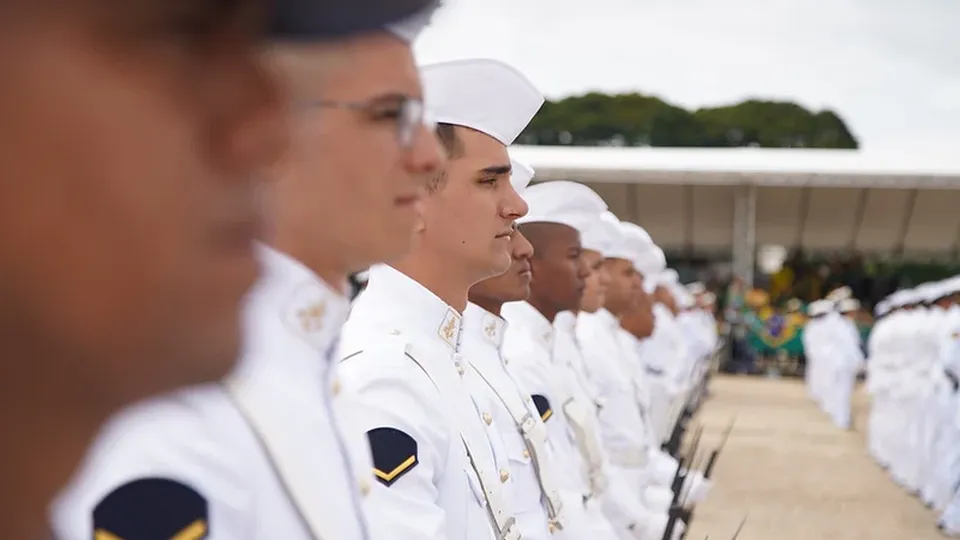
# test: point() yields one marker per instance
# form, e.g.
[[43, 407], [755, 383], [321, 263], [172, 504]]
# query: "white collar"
[[630, 337], [307, 306], [605, 317], [523, 315], [480, 324], [566, 322], [392, 295]]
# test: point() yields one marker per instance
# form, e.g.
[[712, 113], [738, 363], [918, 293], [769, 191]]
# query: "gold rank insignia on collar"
[[449, 330], [311, 317], [491, 329]]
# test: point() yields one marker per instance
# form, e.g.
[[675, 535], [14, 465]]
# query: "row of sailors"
[[913, 368], [833, 348], [494, 380]]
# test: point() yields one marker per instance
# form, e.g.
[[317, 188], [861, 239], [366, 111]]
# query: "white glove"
[[661, 468], [657, 525], [657, 498], [695, 489]]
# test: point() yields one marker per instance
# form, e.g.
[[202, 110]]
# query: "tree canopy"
[[597, 119]]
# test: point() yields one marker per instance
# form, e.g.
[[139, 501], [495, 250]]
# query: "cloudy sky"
[[890, 68]]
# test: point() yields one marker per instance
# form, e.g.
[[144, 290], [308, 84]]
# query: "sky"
[[890, 68]]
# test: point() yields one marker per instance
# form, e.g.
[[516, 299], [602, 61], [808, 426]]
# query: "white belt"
[[588, 444], [629, 458]]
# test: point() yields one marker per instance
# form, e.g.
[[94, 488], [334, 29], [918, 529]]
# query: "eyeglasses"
[[407, 112]]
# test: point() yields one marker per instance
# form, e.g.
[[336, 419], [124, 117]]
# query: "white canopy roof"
[[758, 166], [821, 200]]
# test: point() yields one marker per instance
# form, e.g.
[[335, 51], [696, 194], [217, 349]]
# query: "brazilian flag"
[[773, 331]]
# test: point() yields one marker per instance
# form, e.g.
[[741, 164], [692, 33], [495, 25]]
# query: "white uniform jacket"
[[445, 470], [512, 414], [260, 458]]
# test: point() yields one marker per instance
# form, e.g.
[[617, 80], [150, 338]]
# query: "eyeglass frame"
[[407, 124]]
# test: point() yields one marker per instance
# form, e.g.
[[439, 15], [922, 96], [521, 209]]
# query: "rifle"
[[708, 471], [737, 533], [672, 446], [740, 528], [675, 511], [716, 453]]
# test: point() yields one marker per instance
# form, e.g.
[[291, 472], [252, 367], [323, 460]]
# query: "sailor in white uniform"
[[639, 321], [600, 240], [881, 380], [446, 472], [659, 409], [559, 210], [947, 448], [912, 378], [667, 348], [270, 452], [849, 364], [813, 347], [699, 337], [624, 430], [511, 411]]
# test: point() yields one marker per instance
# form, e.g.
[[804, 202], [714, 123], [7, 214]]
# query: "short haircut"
[[541, 235], [452, 146]]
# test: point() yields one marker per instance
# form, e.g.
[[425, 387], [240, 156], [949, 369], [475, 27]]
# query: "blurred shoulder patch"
[[152, 509], [543, 406], [394, 454]]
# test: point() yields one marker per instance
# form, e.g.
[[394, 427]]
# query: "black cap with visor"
[[327, 19]]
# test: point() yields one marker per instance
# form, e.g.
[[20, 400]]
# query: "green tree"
[[596, 119]]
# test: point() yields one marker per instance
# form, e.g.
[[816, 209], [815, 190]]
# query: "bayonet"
[[740, 528], [711, 463]]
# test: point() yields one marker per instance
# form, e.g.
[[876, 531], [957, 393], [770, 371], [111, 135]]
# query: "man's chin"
[[519, 294], [500, 264]]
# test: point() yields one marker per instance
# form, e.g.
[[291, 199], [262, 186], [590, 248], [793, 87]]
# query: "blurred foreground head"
[[133, 139], [350, 189]]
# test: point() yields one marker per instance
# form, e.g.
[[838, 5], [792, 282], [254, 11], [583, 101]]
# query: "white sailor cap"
[[654, 265], [410, 28], [903, 297], [838, 294], [520, 174], [684, 299], [882, 308], [669, 277], [951, 285], [481, 94], [819, 307], [696, 287], [637, 242], [933, 291], [603, 237], [567, 203], [651, 262], [639, 231], [848, 305], [618, 245]]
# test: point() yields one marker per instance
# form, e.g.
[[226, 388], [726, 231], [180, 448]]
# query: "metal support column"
[[745, 232]]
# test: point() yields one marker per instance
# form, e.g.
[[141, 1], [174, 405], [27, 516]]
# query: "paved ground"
[[795, 475]]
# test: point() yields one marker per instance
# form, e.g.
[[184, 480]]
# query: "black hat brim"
[[307, 20]]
